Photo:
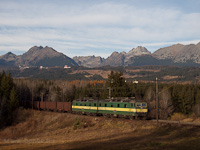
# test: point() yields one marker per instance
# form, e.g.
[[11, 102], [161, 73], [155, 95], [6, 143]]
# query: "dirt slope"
[[52, 130]]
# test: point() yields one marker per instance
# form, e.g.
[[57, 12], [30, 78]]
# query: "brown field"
[[102, 73], [52, 130], [139, 70], [170, 77]]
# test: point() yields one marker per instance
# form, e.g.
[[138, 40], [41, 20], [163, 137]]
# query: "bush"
[[76, 124], [178, 117]]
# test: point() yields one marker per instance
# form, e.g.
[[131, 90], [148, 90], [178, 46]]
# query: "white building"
[[66, 67]]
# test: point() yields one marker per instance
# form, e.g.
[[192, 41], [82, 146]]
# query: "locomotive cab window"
[[144, 105], [138, 104]]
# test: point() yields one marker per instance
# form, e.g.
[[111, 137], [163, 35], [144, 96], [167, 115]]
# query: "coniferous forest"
[[8, 99]]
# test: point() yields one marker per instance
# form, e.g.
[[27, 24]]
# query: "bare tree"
[[165, 103], [196, 109], [150, 99]]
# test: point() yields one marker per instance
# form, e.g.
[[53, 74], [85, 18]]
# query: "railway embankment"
[[52, 130], [178, 122]]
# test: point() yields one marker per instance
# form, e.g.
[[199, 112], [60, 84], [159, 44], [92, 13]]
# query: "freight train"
[[109, 107]]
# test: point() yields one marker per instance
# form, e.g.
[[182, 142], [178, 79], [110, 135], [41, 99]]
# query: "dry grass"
[[170, 77], [51, 130], [139, 70], [102, 73], [184, 118], [178, 117]]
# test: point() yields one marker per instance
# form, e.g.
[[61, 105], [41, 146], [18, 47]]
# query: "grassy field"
[[62, 131]]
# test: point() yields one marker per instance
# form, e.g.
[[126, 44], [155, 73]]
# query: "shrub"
[[178, 117]]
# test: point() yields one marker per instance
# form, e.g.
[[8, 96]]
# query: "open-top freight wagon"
[[53, 106]]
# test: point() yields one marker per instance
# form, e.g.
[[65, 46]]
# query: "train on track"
[[109, 107]]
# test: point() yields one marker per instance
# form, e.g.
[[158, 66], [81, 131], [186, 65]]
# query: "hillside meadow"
[[52, 130]]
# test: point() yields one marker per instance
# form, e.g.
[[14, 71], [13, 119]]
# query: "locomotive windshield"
[[138, 104], [141, 104], [144, 104]]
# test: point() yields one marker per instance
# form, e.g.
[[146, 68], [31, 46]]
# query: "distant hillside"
[[131, 73]]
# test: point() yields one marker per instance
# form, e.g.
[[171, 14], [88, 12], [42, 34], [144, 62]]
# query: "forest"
[[181, 98]]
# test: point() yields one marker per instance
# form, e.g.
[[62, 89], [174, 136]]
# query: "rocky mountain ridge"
[[89, 61], [38, 56], [183, 55], [115, 59], [178, 54], [8, 56]]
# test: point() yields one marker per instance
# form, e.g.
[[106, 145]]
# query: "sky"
[[97, 27]]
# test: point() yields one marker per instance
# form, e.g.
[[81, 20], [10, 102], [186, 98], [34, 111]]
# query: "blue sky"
[[97, 27]]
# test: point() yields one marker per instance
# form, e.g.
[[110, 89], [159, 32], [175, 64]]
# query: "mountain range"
[[184, 55], [180, 55]]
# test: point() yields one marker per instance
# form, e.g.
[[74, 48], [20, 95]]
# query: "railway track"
[[60, 107], [177, 122]]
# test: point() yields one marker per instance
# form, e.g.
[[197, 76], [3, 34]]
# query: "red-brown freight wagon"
[[60, 106], [64, 106], [68, 106], [43, 105], [36, 105], [51, 106]]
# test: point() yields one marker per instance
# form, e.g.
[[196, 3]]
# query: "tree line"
[[183, 98]]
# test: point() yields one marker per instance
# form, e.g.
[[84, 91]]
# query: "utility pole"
[[157, 103], [63, 92], [32, 96], [109, 88], [63, 95], [112, 80]]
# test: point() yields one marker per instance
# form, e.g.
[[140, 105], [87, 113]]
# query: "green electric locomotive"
[[111, 107]]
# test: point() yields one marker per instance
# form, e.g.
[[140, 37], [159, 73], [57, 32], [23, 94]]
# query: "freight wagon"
[[53, 106]]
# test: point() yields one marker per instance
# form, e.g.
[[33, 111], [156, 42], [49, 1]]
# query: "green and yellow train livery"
[[112, 107]]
